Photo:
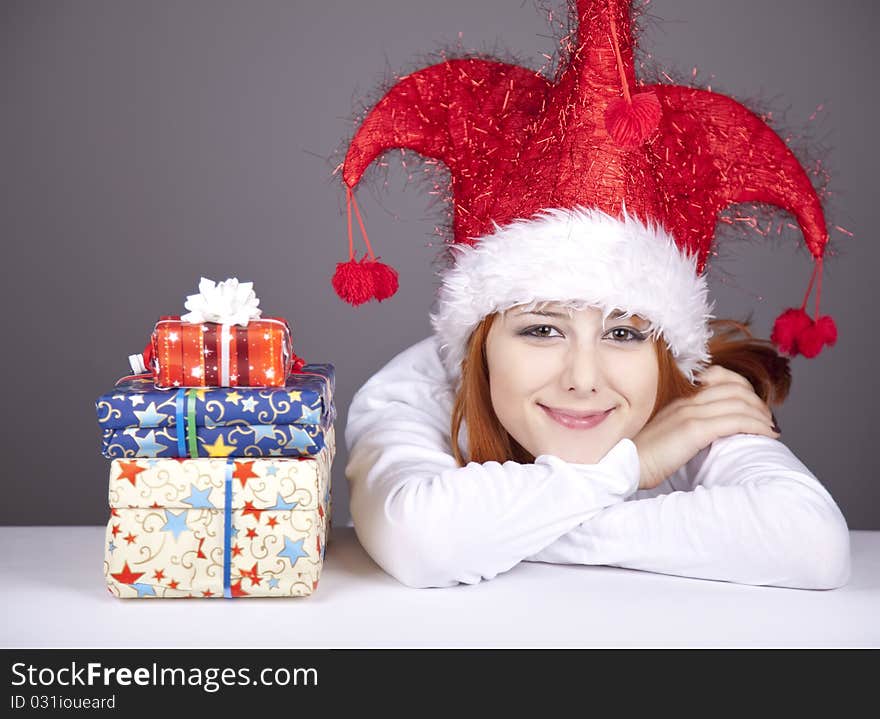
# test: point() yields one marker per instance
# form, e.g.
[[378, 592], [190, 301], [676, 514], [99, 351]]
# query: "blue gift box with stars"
[[137, 419]]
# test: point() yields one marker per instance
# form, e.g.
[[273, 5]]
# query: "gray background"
[[147, 143]]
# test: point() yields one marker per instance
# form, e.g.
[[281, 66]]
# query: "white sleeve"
[[755, 515], [430, 523]]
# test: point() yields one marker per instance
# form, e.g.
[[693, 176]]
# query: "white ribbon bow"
[[228, 303]]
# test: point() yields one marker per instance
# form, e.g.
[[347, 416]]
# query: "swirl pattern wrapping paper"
[[137, 419], [215, 527]]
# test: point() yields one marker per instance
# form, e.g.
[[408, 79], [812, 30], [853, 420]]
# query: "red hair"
[[732, 346]]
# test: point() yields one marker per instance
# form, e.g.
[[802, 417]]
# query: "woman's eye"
[[626, 334], [538, 331]]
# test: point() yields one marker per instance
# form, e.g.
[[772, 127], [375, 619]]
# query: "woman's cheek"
[[643, 391], [522, 373]]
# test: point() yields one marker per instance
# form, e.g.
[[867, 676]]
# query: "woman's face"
[[558, 359]]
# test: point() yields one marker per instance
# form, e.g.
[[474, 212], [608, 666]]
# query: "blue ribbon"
[[179, 400], [227, 530]]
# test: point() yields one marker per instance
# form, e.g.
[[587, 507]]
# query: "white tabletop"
[[54, 595]]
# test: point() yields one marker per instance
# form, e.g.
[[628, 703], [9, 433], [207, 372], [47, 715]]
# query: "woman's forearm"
[[756, 515], [430, 523]]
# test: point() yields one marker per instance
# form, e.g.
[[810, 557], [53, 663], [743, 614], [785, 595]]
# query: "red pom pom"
[[811, 339], [630, 123], [828, 329], [354, 282], [794, 332], [385, 279], [809, 342], [787, 328]]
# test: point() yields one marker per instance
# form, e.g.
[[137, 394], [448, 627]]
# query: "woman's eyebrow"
[[543, 313], [636, 319]]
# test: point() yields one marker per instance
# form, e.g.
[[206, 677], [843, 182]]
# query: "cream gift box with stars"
[[215, 527]]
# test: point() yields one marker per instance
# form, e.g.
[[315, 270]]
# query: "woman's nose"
[[581, 370]]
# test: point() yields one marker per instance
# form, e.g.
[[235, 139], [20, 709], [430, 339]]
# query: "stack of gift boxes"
[[221, 444]]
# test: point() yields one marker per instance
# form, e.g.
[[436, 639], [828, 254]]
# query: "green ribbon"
[[191, 423]]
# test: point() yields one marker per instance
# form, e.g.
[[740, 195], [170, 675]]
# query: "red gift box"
[[209, 354]]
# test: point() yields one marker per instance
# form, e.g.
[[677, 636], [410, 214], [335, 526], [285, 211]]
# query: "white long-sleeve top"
[[745, 509]]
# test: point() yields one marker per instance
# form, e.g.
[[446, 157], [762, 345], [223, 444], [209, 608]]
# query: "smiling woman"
[[577, 402], [512, 363], [544, 378]]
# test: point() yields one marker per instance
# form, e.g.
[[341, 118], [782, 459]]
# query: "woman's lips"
[[567, 420]]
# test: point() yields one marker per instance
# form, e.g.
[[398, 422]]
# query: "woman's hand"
[[726, 404]]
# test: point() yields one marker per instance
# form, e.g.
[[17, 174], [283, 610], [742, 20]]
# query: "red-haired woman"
[[623, 427], [621, 424]]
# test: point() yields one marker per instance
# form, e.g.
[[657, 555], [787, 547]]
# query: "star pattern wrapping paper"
[[173, 534], [288, 440], [209, 354], [137, 419]]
